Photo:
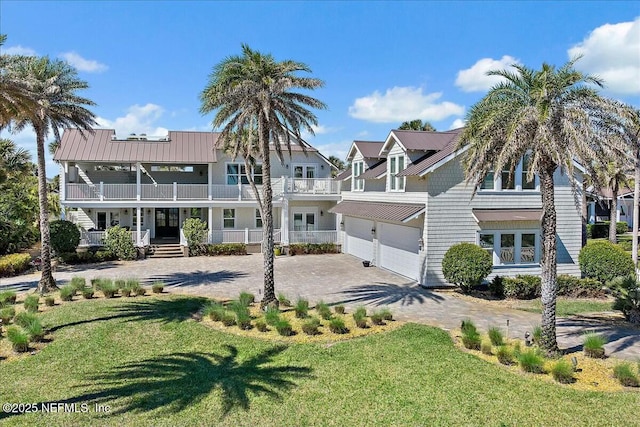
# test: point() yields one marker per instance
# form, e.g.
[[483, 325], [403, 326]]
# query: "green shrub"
[[522, 286], [219, 249], [261, 325], [246, 299], [140, 291], [386, 314], [283, 300], [593, 345], [337, 326], [466, 265], [283, 327], [323, 310], [31, 303], [228, 319], [86, 257], [576, 287], [134, 286], [537, 334], [486, 348], [604, 261], [157, 287], [109, 289], [624, 374], [531, 361], [495, 336], [472, 341], [622, 227], [78, 283], [18, 338], [625, 245], [272, 315], [310, 327], [302, 308], [11, 265], [118, 241], [597, 231], [65, 236], [34, 330], [24, 318], [338, 309], [195, 231], [505, 355], [496, 287], [214, 310], [468, 327], [313, 248], [376, 318], [8, 297], [562, 371], [360, 317], [49, 301], [627, 293], [6, 314], [243, 319], [87, 293], [125, 291], [67, 293]]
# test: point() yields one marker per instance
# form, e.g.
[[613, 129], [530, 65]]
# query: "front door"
[[167, 220]]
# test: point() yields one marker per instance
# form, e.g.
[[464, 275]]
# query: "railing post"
[[240, 189], [138, 183], [246, 236], [284, 184], [101, 191], [175, 191]]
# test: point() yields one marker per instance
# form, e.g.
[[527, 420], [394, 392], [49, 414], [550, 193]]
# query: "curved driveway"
[[338, 278]]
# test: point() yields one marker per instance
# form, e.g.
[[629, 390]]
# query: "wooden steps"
[[166, 251]]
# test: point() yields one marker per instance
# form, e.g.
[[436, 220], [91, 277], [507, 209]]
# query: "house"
[[150, 185], [407, 202], [599, 202]]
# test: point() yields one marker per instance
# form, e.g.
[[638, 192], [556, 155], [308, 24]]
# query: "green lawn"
[[153, 365], [567, 306]]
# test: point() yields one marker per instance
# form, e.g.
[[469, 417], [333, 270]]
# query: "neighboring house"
[[152, 184], [599, 202], [408, 203]]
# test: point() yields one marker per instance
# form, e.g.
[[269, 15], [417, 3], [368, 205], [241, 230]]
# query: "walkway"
[[339, 279]]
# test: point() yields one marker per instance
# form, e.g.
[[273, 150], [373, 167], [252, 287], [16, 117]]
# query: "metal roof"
[[375, 210], [423, 140], [376, 171], [369, 149], [498, 215], [344, 175], [427, 161]]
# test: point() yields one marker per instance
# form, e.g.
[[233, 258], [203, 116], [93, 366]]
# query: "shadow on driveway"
[[197, 278], [387, 293], [619, 338]]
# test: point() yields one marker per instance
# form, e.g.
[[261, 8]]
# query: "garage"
[[399, 249], [358, 238]]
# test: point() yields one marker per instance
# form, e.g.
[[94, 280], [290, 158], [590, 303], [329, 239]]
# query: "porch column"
[[210, 180], [592, 212], [138, 185], [210, 221], [63, 181], [284, 222], [175, 191], [138, 218], [101, 191]]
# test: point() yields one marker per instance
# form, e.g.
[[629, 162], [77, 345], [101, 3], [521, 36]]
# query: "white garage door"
[[399, 249], [359, 241]]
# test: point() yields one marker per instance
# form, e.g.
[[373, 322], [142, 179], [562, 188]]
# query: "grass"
[[567, 306], [171, 370]]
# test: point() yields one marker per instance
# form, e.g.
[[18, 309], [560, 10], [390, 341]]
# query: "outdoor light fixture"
[[527, 339], [321, 213], [420, 244], [184, 211], [126, 211], [88, 211], [373, 231], [148, 211]]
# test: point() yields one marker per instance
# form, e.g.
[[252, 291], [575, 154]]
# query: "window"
[[237, 173], [101, 220], [304, 171], [488, 183], [167, 168], [528, 248], [258, 219], [396, 165], [196, 213], [229, 218], [358, 169], [507, 248], [508, 181], [135, 218], [511, 247], [526, 163], [486, 242], [304, 221]]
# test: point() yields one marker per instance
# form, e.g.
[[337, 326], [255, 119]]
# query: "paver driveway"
[[338, 278]]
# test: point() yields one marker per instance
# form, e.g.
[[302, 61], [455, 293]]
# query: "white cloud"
[[611, 52], [399, 104], [338, 149], [139, 119], [475, 79], [82, 64], [457, 123], [317, 130], [363, 133], [19, 50]]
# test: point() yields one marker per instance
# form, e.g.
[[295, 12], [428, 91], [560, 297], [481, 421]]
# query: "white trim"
[[395, 140], [234, 218], [355, 180], [415, 215], [305, 166], [391, 174], [517, 245], [443, 161], [304, 211], [241, 165]]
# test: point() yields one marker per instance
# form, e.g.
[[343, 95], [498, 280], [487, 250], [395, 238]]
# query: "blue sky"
[[382, 62]]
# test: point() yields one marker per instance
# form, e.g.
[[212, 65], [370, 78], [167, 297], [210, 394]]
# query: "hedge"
[[86, 257], [11, 265], [522, 286], [604, 261], [600, 230], [313, 248], [218, 249], [576, 287], [466, 265]]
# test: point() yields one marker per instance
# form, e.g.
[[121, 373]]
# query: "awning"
[[380, 211], [498, 215]]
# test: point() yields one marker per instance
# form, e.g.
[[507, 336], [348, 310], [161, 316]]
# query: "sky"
[[146, 62]]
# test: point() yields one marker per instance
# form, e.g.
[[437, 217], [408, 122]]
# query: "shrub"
[[283, 300], [6, 314], [31, 303], [13, 264], [78, 283], [496, 287], [157, 287], [468, 327], [622, 227], [386, 314], [125, 291], [537, 334], [470, 336], [625, 245], [376, 318], [505, 355], [360, 317], [24, 318], [246, 299], [65, 236], [576, 287], [323, 310], [86, 257], [118, 242], [485, 347], [261, 325], [272, 315], [228, 319], [495, 336], [313, 248], [87, 293], [522, 286], [338, 309], [34, 330], [195, 231], [593, 345], [243, 319], [134, 286], [224, 249], [623, 373], [140, 291], [302, 308], [627, 293], [283, 327], [531, 361], [109, 289], [310, 327], [67, 293], [18, 338], [604, 261], [466, 265], [49, 301], [214, 310], [562, 371], [337, 326], [8, 297]]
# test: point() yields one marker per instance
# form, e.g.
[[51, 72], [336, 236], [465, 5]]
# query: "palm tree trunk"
[[585, 212], [636, 214], [47, 283], [548, 262], [613, 215], [267, 220]]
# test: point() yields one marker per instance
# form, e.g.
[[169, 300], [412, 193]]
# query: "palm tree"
[[614, 176], [553, 115], [15, 99], [417, 124], [13, 160], [255, 104], [53, 85], [631, 126]]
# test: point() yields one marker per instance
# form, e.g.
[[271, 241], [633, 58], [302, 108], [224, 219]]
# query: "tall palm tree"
[[554, 115], [417, 124], [256, 103], [631, 126], [614, 176], [15, 99], [53, 84]]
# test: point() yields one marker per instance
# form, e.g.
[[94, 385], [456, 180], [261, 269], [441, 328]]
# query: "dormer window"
[[506, 181], [358, 169], [396, 165]]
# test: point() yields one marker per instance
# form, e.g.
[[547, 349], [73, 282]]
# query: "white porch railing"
[[313, 236], [313, 186], [96, 238], [244, 235]]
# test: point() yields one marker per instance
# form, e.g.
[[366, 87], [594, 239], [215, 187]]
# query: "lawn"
[[567, 306], [153, 365]]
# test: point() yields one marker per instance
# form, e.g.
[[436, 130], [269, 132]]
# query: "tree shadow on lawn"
[[197, 278], [387, 293], [618, 337], [161, 310], [174, 382]]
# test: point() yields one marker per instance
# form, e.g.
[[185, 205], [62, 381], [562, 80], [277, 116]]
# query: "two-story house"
[[408, 203], [150, 185]]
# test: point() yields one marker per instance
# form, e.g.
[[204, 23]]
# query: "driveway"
[[339, 278]]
